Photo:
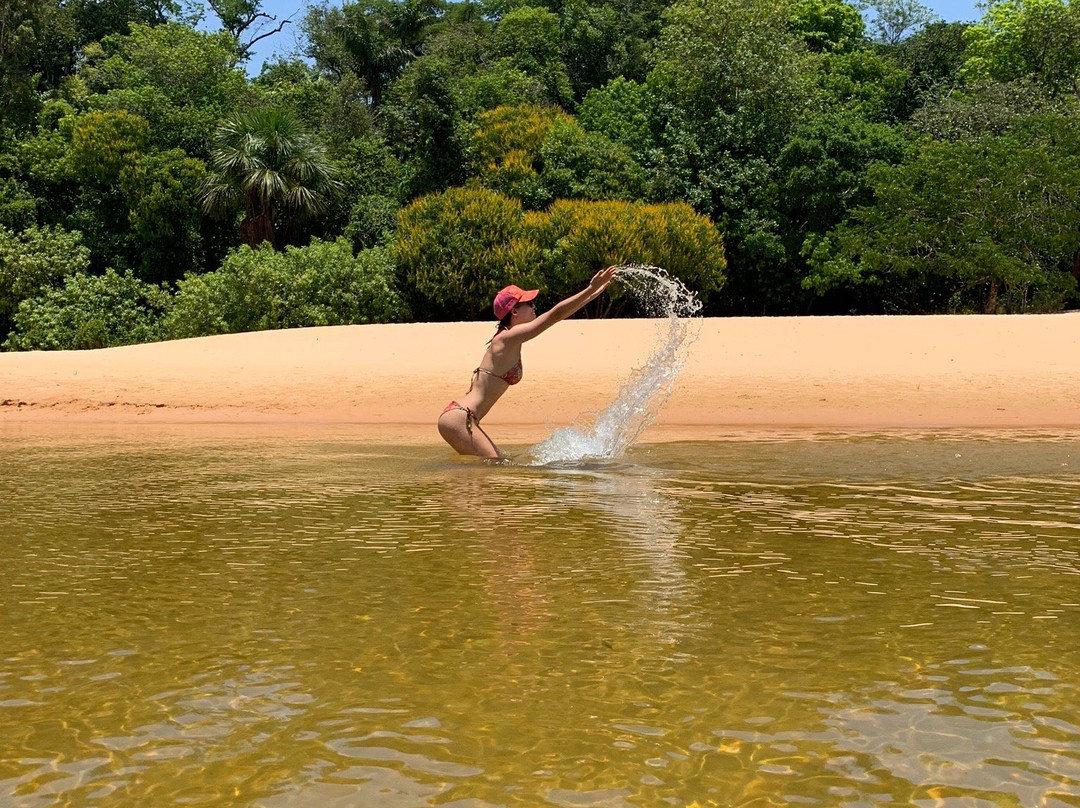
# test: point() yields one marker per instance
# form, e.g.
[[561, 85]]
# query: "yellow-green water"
[[295, 618]]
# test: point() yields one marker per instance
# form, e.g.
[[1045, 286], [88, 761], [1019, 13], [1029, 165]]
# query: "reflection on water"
[[294, 619]]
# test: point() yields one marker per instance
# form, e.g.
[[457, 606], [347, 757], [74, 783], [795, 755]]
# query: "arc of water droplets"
[[639, 400]]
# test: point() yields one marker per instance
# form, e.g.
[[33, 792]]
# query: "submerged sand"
[[740, 373]]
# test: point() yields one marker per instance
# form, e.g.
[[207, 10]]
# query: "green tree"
[[586, 165], [828, 26], [1037, 39], [103, 143], [536, 154], [422, 118], [528, 39], [165, 238], [267, 164], [18, 205], [182, 81], [620, 111], [822, 175], [90, 311], [593, 46], [478, 81], [864, 82], [933, 57], [36, 48], [372, 39], [987, 226], [506, 151], [338, 109], [324, 283], [986, 109], [456, 249], [374, 183], [97, 19], [730, 81]]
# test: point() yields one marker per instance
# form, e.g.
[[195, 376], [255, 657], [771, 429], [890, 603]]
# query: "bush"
[[579, 237], [90, 311], [458, 248], [258, 289], [34, 261]]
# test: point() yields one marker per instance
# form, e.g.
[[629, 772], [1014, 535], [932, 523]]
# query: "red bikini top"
[[513, 376]]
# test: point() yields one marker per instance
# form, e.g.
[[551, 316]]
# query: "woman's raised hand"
[[601, 279]]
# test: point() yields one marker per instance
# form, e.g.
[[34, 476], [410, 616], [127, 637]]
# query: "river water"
[[293, 617]]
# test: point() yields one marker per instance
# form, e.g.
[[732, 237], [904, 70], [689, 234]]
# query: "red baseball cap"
[[510, 296]]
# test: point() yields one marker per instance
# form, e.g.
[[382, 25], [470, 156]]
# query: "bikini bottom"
[[470, 416]]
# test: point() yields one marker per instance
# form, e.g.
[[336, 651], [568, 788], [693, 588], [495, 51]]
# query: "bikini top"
[[513, 376]]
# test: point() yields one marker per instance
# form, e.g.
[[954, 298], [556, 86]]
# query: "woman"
[[459, 423]]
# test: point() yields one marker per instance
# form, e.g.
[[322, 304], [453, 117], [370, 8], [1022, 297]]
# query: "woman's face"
[[523, 313]]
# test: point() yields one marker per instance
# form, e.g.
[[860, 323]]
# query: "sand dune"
[[741, 373]]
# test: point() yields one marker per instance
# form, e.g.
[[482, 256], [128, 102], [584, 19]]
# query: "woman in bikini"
[[459, 423]]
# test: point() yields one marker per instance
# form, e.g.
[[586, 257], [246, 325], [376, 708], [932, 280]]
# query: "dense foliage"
[[780, 156]]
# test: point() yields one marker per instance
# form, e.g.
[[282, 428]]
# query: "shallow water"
[[295, 618]]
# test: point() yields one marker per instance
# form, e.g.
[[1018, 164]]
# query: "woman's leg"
[[455, 429]]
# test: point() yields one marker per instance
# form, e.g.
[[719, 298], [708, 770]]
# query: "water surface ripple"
[[295, 618]]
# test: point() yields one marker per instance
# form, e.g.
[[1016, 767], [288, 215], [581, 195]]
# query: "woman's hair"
[[504, 324]]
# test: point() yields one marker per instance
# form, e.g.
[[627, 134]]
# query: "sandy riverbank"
[[741, 373]]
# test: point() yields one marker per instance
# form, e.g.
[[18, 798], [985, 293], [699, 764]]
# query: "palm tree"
[[268, 164]]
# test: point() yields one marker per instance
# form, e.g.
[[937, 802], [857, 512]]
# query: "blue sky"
[[287, 42]]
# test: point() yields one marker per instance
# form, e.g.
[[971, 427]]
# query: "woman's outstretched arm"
[[561, 310]]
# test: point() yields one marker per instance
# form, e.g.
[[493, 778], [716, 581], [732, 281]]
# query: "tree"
[[337, 109], [984, 109], [265, 163], [537, 154], [506, 151], [895, 19], [528, 39], [103, 143], [422, 118], [456, 249], [933, 57], [97, 19], [580, 237], [586, 165], [182, 81], [164, 226], [730, 81], [1036, 39], [593, 45], [822, 175], [372, 39], [864, 82], [986, 226], [828, 26], [246, 22], [26, 28]]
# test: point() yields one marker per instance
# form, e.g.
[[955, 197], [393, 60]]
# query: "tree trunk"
[[255, 229]]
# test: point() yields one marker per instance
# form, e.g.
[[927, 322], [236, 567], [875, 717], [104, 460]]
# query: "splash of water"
[[614, 430]]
